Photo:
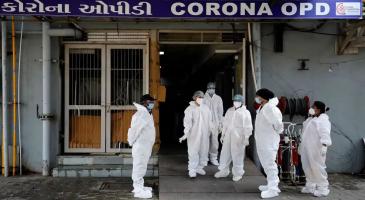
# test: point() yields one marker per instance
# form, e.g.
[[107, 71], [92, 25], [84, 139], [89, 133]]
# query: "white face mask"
[[199, 101], [311, 111], [211, 92], [237, 104], [258, 100]]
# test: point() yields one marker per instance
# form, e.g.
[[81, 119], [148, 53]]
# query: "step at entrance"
[[100, 166]]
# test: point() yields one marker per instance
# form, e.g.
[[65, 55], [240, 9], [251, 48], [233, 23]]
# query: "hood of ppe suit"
[[268, 125], [140, 107], [274, 101]]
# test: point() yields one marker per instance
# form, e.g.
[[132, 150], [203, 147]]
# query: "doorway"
[[101, 83], [186, 68]]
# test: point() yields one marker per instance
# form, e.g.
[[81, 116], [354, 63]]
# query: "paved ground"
[[40, 188], [173, 185]]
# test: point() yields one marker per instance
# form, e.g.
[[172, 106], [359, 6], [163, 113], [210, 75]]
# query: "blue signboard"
[[191, 9]]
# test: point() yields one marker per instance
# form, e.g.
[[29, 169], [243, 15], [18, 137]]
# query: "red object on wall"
[[282, 104]]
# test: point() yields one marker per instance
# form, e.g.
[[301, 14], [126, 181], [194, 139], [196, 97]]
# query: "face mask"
[[311, 111], [150, 106], [199, 101], [237, 104], [211, 91], [258, 100]]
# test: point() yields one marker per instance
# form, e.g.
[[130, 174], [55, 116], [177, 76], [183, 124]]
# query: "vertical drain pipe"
[[47, 116], [46, 48], [4, 99], [13, 44]]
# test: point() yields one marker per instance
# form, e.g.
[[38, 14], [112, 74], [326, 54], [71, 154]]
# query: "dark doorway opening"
[[186, 69]]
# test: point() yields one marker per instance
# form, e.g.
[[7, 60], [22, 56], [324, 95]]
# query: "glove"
[[130, 143], [324, 150], [183, 138], [222, 138]]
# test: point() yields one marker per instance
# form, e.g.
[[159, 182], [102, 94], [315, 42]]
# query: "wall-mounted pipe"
[[13, 44], [19, 111], [256, 37], [252, 61], [4, 99], [46, 51], [47, 112], [65, 32]]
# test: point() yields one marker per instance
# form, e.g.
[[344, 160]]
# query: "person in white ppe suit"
[[237, 129], [215, 104], [268, 126], [141, 136], [197, 124], [313, 149]]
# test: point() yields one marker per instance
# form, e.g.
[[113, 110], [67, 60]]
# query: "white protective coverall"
[[237, 128], [268, 126], [141, 136], [215, 104], [197, 124], [316, 132]]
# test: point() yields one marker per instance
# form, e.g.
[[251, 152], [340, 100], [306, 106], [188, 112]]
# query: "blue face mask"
[[150, 106]]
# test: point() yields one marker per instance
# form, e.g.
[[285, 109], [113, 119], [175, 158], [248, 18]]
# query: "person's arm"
[[188, 122], [305, 123], [137, 125], [220, 113], [275, 118], [224, 125], [248, 124], [324, 132]]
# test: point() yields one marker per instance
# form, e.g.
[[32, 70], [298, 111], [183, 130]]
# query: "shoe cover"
[[143, 194], [192, 174], [265, 187], [269, 194], [214, 162], [201, 172], [221, 174], [144, 188], [237, 178], [308, 190], [321, 193]]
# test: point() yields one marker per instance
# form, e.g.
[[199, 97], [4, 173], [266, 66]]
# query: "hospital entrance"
[[188, 61]]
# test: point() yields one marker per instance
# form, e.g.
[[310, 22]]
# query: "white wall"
[[342, 90]]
